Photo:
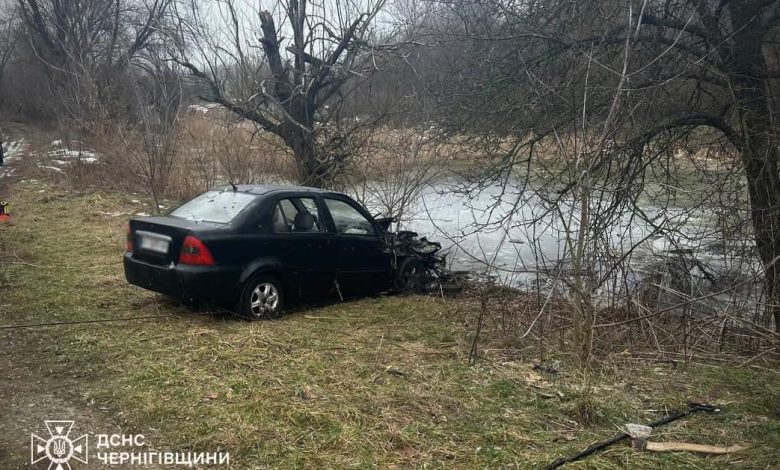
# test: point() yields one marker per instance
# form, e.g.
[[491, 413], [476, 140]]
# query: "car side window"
[[279, 221], [309, 205], [287, 209], [347, 219]]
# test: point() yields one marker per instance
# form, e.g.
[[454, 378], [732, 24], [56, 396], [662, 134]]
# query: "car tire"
[[411, 277], [191, 303], [262, 298]]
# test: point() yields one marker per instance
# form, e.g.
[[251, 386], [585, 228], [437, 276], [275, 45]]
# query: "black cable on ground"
[[692, 408], [103, 320]]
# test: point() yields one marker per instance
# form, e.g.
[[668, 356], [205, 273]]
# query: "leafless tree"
[[8, 40], [700, 72], [721, 58], [603, 116], [395, 168], [288, 70], [87, 47], [151, 139]]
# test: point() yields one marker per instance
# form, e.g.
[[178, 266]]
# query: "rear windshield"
[[214, 206]]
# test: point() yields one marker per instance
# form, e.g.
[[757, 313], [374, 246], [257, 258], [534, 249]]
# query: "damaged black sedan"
[[257, 248]]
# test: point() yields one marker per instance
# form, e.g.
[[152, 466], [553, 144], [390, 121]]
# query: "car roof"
[[262, 189]]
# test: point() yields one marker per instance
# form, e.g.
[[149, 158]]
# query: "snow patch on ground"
[[63, 155], [71, 154], [203, 108], [49, 167], [197, 108], [12, 150]]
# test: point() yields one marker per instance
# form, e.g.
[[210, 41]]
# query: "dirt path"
[[13, 147], [40, 385], [38, 382]]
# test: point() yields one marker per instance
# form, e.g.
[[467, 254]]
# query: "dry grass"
[[381, 382], [216, 150], [208, 152]]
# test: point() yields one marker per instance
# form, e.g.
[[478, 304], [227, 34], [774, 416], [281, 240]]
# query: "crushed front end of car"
[[420, 265]]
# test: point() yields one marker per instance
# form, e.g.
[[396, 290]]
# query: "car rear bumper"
[[183, 282]]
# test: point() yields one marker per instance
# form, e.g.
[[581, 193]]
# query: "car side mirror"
[[385, 222], [303, 221]]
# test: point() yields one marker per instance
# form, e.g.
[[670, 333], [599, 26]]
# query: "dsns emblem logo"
[[59, 448]]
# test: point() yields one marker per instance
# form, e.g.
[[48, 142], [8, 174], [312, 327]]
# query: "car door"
[[363, 260], [308, 255]]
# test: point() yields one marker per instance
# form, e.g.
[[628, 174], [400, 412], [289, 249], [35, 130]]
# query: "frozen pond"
[[521, 236]]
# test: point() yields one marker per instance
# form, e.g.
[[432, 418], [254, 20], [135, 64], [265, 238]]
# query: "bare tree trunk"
[[760, 161], [311, 172], [758, 145]]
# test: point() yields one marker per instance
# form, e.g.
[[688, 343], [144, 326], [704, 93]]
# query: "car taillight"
[[194, 251], [129, 239]]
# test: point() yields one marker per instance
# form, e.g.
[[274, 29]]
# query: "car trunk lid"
[[158, 240]]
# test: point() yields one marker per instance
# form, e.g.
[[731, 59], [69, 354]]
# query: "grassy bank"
[[377, 382]]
